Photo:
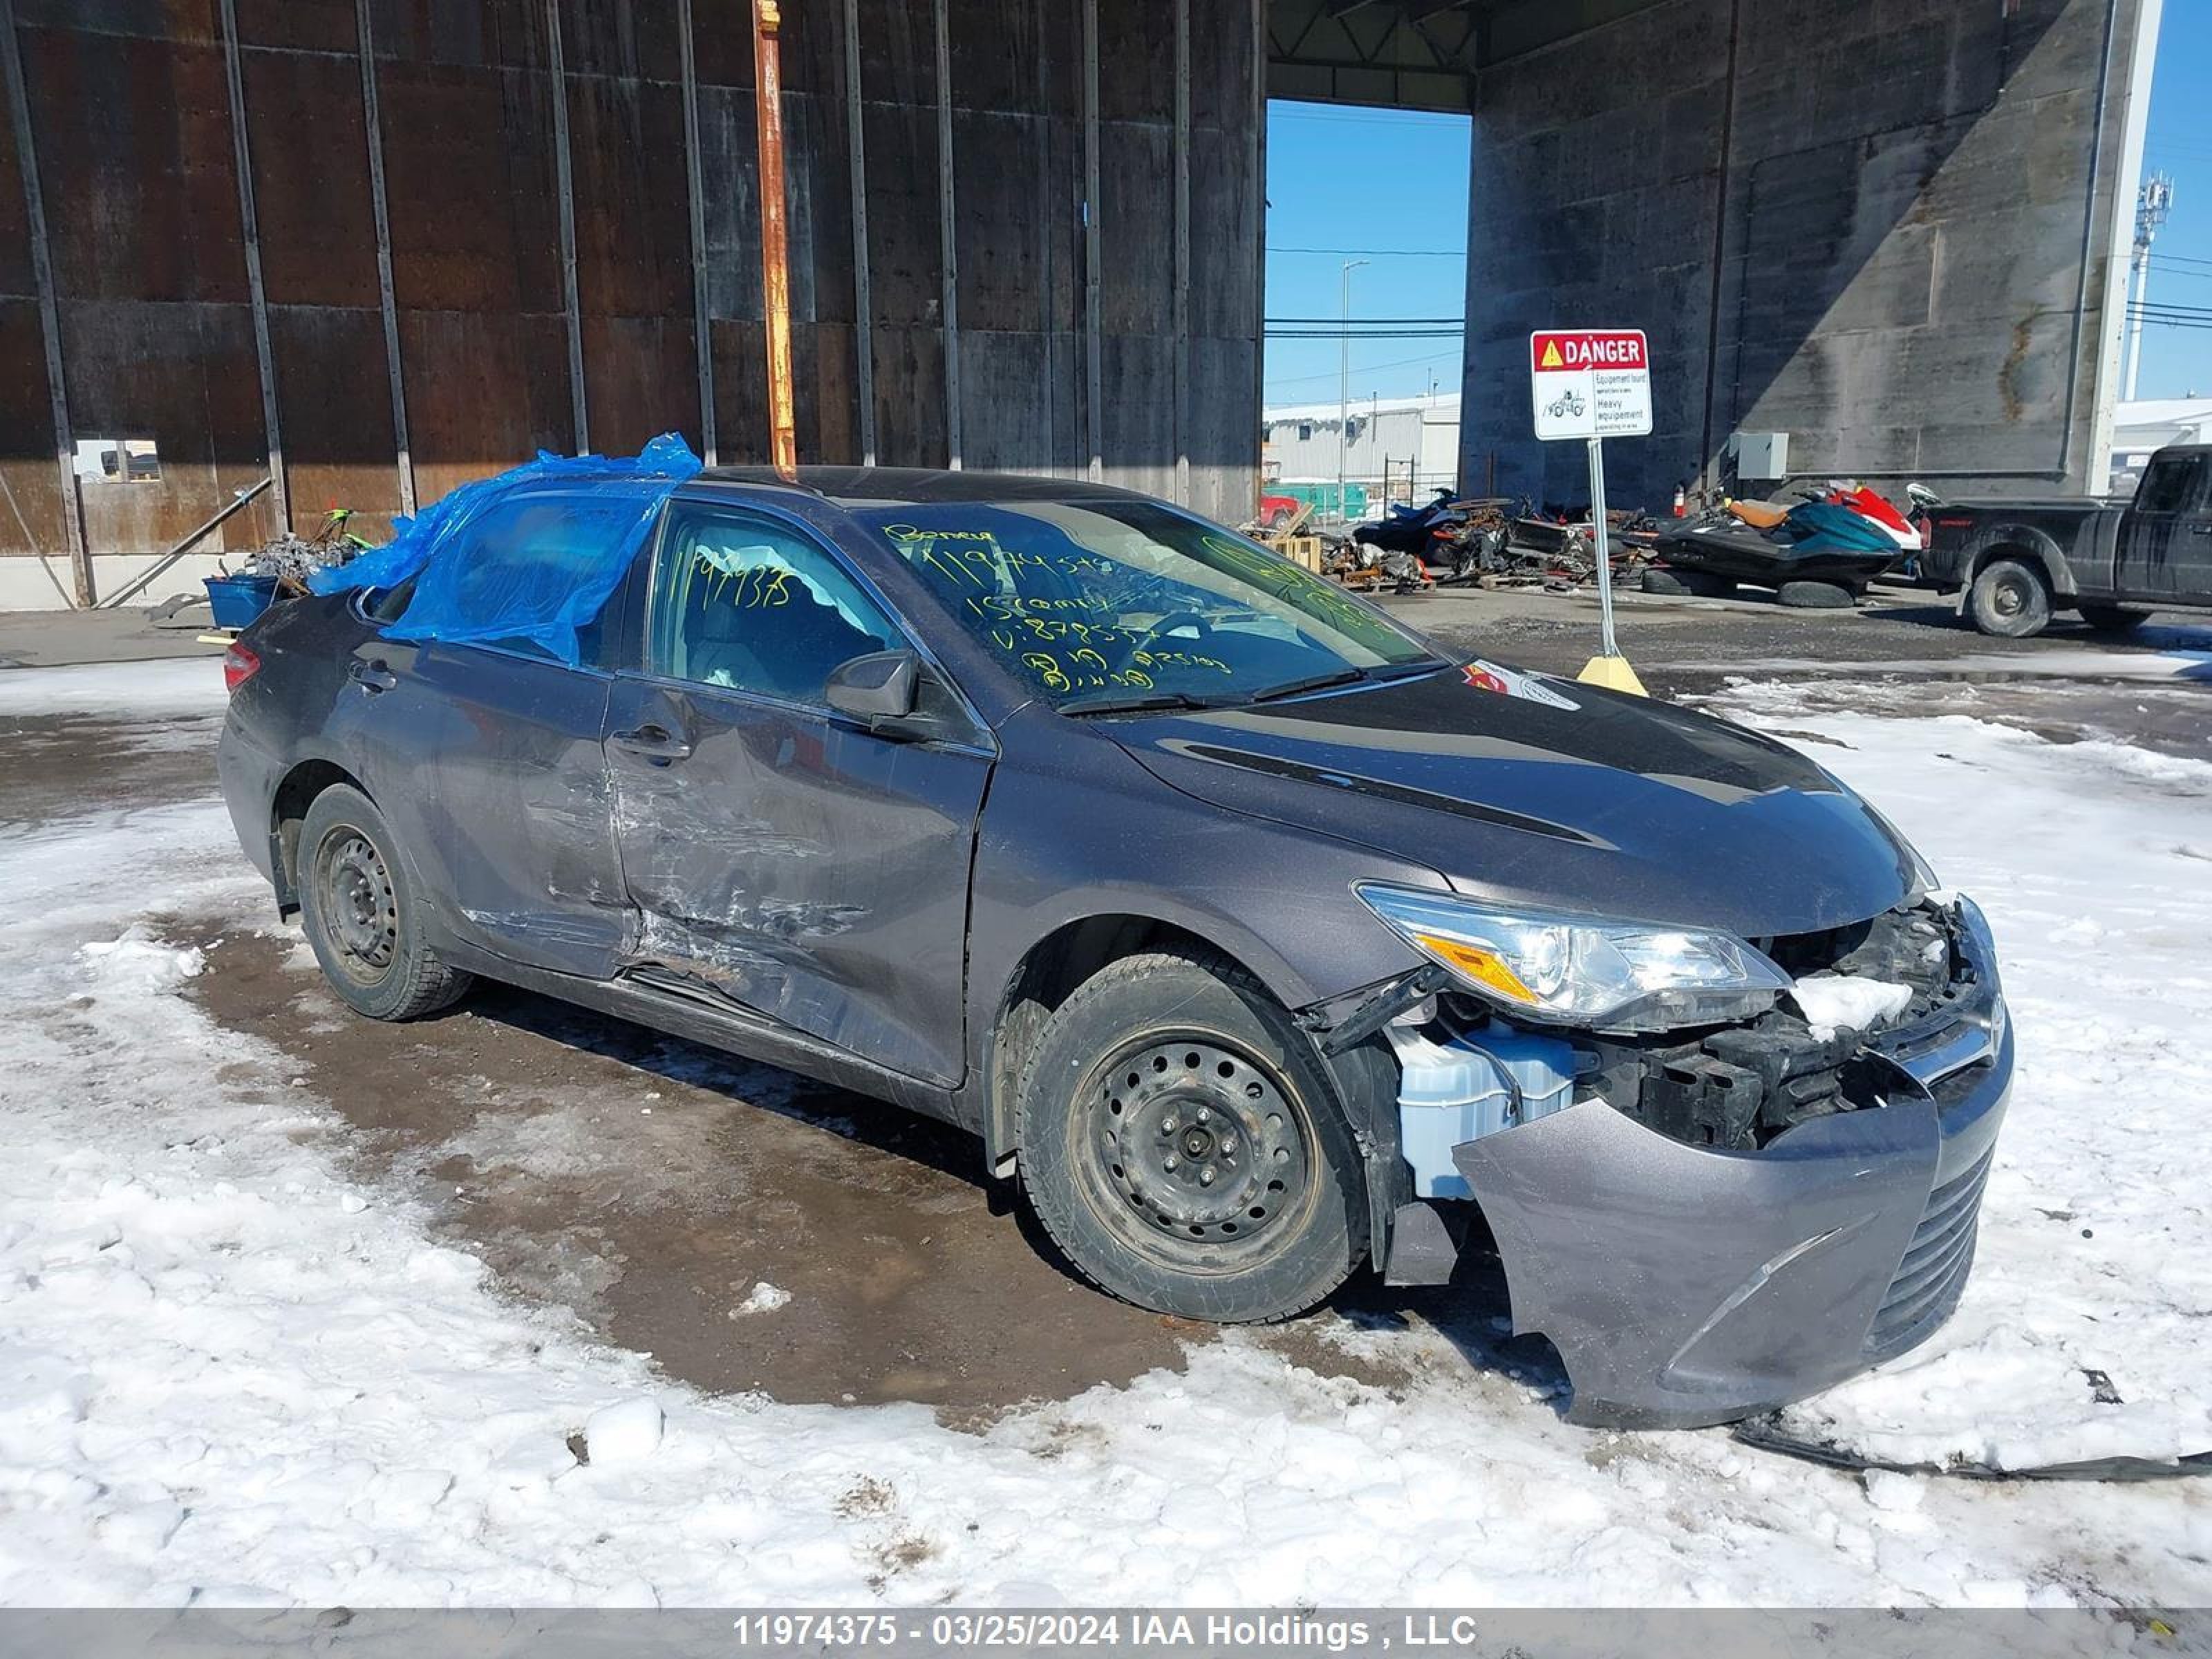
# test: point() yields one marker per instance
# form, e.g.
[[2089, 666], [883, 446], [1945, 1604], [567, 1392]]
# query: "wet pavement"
[[752, 1229]]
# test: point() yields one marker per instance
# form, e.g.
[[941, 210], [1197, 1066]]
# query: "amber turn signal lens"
[[1476, 963]]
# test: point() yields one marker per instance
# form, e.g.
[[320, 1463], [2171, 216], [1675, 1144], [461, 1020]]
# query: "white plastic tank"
[[1482, 1081]]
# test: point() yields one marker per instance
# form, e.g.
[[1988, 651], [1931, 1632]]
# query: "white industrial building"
[[1413, 443]]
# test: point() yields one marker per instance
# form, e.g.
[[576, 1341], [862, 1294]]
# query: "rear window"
[[2170, 485], [527, 566]]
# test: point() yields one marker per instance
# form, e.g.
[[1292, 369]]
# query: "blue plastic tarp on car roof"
[[517, 557]]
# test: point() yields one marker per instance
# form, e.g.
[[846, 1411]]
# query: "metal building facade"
[[373, 248]]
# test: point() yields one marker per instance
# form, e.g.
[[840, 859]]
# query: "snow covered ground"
[[232, 1373]]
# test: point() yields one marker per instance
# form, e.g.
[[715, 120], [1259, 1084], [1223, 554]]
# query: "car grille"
[[1933, 1275]]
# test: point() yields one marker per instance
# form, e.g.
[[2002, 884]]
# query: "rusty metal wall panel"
[[300, 25], [1136, 218], [741, 389], [731, 177], [1136, 54], [904, 251], [185, 375], [128, 98], [999, 198], [135, 154], [484, 392], [633, 220], [910, 374], [644, 377], [152, 19], [462, 33], [634, 42], [468, 171], [311, 193], [17, 277], [338, 442], [898, 55], [828, 418], [32, 516]]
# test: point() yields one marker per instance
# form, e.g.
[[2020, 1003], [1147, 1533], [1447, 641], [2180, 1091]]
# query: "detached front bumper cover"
[[1685, 1286]]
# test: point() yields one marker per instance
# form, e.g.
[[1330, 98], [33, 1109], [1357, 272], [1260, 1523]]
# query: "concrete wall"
[[1059, 268], [1873, 227]]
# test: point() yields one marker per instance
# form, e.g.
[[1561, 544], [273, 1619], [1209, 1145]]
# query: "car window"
[[1098, 597], [748, 603], [529, 550], [2170, 485]]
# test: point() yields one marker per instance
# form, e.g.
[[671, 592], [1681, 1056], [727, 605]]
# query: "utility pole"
[[2154, 201], [776, 274], [1343, 384]]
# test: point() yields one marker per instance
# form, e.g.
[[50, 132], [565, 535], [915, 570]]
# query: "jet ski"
[[1816, 541]]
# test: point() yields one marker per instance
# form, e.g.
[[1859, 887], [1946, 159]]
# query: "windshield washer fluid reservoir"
[[1483, 1080]]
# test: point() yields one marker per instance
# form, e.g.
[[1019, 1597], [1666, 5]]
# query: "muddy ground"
[[751, 1229]]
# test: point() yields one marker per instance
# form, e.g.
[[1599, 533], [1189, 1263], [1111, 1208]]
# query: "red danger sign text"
[[1555, 353]]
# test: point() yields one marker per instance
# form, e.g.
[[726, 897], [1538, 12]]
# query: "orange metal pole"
[[775, 266]]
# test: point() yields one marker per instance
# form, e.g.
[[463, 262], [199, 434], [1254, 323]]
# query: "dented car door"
[[785, 854]]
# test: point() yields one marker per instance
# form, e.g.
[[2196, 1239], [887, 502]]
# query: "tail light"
[[239, 665]]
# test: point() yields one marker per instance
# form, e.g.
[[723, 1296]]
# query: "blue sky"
[[1390, 186], [2179, 360]]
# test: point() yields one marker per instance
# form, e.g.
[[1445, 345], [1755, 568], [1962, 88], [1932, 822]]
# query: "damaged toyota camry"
[[1252, 935]]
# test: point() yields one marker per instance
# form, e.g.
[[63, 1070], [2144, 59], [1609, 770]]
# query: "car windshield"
[[1103, 605]]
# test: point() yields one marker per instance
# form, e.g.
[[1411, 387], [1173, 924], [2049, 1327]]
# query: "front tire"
[[1183, 1147], [2009, 600], [361, 915]]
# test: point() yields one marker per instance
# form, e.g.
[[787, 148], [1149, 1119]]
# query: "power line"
[[1365, 368], [1380, 253]]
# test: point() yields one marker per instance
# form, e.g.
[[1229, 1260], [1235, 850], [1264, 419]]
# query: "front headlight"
[[1582, 970]]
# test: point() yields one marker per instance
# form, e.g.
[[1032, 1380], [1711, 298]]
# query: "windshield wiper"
[[1310, 683], [1135, 702]]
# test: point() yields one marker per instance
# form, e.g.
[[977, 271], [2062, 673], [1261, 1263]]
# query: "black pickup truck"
[[2014, 563]]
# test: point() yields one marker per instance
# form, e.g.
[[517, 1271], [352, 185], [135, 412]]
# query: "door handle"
[[2201, 530], [371, 677], [656, 744]]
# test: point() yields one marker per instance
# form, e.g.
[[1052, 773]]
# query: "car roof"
[[904, 486]]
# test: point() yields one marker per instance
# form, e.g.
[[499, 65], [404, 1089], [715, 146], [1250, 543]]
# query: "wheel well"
[[288, 811], [2021, 553], [1050, 972]]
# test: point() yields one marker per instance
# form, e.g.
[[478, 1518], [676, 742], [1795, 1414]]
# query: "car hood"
[[1532, 790]]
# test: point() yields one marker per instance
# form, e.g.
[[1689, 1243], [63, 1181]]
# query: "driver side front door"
[[802, 865]]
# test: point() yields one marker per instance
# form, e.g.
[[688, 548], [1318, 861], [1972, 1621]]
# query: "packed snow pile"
[[230, 1373], [1833, 1002]]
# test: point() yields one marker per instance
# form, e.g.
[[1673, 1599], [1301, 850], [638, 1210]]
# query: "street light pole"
[[1343, 384]]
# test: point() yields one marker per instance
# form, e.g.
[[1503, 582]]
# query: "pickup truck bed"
[[2013, 564]]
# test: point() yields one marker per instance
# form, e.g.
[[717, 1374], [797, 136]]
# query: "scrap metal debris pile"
[[292, 558], [1822, 549]]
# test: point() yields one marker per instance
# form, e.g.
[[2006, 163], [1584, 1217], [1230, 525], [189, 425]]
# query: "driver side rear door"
[[803, 865]]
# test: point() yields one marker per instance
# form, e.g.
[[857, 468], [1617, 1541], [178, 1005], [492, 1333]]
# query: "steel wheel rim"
[[2011, 596], [1193, 1150], [360, 914]]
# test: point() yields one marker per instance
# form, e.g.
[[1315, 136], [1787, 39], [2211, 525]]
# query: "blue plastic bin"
[[237, 600]]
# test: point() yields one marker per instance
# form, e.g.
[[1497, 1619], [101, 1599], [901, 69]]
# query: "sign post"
[[1594, 384]]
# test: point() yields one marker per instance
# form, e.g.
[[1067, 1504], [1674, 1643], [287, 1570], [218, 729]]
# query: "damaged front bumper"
[[1686, 1285]]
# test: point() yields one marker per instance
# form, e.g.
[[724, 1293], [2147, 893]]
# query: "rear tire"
[[361, 915], [2009, 600], [1815, 596], [1182, 1145], [1697, 584], [2113, 618]]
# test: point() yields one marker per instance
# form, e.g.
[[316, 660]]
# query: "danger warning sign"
[[1590, 383]]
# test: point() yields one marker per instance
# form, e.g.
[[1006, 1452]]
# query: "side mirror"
[[877, 687]]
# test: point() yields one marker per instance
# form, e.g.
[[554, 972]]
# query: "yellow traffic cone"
[[1614, 673]]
